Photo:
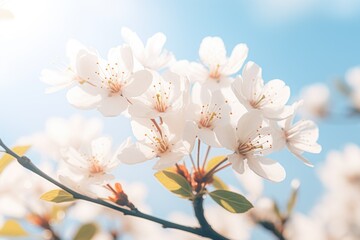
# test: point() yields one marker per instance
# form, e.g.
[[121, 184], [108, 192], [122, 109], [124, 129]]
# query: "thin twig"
[[27, 163], [206, 156]]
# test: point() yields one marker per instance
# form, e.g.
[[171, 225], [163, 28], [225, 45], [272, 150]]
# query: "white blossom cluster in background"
[[336, 215], [172, 103]]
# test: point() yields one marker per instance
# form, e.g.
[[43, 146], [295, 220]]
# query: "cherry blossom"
[[216, 68], [209, 110], [249, 142], [299, 137], [169, 144], [166, 95], [113, 83], [74, 74], [316, 101], [93, 163], [152, 55], [270, 98]]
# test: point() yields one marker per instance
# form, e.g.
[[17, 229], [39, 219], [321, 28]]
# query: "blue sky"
[[298, 41]]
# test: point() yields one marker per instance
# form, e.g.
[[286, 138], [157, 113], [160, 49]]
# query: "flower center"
[[208, 115], [257, 103], [95, 166], [215, 73], [112, 78], [160, 102]]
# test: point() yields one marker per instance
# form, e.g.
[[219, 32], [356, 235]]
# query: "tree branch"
[[205, 230]]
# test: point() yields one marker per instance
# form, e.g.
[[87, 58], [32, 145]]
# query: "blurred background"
[[298, 41]]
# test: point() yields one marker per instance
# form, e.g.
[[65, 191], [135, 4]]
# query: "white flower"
[[209, 110], [166, 95], [20, 192], [63, 133], [6, 14], [78, 54], [113, 83], [250, 141], [152, 55], [93, 163], [169, 144], [217, 67], [353, 79], [269, 99], [299, 137], [341, 170], [316, 100]]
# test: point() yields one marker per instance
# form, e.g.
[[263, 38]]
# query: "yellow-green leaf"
[[6, 159], [213, 162], [12, 228], [218, 183], [175, 183], [57, 196], [86, 232], [233, 202]]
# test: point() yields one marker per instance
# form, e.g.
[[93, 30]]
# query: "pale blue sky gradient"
[[301, 43]]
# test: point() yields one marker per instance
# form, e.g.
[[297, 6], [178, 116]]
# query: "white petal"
[[298, 153], [133, 40], [127, 57], [248, 124], [212, 51], [267, 168], [154, 45], [236, 60], [113, 105], [208, 136], [138, 84], [237, 162], [226, 135], [87, 66], [101, 147], [73, 47], [83, 99], [142, 128], [132, 155], [168, 160], [189, 135]]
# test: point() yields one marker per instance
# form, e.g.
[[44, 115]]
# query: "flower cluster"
[[172, 104]]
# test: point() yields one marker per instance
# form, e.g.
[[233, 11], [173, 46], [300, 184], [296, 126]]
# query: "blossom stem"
[[198, 154], [202, 231], [157, 126], [192, 161], [215, 167], [221, 168], [206, 156]]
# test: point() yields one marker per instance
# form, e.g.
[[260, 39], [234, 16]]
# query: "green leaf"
[[57, 196], [213, 162], [175, 183], [12, 228], [233, 202], [218, 183], [6, 159], [86, 232]]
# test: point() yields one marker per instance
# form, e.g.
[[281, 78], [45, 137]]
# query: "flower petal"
[[212, 51], [236, 60], [267, 168], [83, 99], [138, 84]]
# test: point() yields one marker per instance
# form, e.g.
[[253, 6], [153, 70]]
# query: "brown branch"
[[205, 230]]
